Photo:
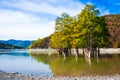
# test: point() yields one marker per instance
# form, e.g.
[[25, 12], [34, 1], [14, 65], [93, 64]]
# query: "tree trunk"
[[98, 52], [77, 52], [59, 52], [65, 52], [93, 52], [69, 51], [87, 53], [83, 51]]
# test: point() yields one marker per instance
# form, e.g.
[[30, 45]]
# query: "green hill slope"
[[9, 46]]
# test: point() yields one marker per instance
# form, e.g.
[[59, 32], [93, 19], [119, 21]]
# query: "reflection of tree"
[[41, 57], [68, 66], [88, 60], [45, 58]]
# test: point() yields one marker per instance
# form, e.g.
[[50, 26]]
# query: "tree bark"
[[87, 53], [69, 51], [77, 52], [98, 52], [83, 51], [65, 52], [59, 51], [93, 52]]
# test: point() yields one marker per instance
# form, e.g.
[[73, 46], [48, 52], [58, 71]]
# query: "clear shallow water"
[[20, 61], [42, 64]]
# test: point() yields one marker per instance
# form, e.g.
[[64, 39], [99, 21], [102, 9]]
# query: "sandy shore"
[[17, 76]]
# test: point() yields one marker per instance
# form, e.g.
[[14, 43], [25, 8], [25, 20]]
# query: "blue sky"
[[33, 19]]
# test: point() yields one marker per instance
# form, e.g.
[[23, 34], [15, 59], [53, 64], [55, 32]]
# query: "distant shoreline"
[[102, 50], [17, 76]]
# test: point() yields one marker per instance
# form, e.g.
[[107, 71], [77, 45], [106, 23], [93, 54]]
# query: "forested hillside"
[[21, 43], [113, 25], [9, 46], [40, 43]]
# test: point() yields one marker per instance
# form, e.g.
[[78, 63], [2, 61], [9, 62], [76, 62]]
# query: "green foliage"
[[61, 37], [40, 43], [85, 30], [55, 41], [20, 43], [9, 46], [116, 45], [113, 25], [93, 29]]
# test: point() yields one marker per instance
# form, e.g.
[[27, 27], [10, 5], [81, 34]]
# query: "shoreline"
[[16, 76], [102, 50]]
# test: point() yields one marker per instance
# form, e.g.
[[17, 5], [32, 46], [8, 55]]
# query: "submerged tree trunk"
[[98, 52], [65, 52], [77, 52], [83, 51], [93, 52], [69, 51], [59, 51], [87, 53]]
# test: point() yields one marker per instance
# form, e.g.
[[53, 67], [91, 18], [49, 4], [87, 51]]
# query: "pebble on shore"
[[17, 76]]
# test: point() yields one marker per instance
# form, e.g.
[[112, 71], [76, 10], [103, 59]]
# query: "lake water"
[[48, 65]]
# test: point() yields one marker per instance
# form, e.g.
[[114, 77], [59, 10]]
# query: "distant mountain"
[[20, 43], [9, 46]]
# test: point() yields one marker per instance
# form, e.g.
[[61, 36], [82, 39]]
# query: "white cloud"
[[117, 3], [53, 7], [18, 25], [104, 11], [8, 16], [29, 19]]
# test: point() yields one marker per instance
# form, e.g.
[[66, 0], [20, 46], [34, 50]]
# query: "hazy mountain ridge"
[[9, 46], [19, 43]]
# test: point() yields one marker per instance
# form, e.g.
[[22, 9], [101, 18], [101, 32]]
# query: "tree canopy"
[[87, 29]]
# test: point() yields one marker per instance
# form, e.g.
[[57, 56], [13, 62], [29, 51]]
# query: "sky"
[[33, 19]]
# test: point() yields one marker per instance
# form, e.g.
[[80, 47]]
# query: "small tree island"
[[88, 30]]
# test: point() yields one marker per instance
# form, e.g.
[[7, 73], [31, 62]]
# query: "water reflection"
[[79, 66], [21, 62], [47, 65], [88, 60]]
